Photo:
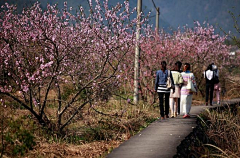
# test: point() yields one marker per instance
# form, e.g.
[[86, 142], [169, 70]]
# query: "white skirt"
[[185, 104], [176, 94]]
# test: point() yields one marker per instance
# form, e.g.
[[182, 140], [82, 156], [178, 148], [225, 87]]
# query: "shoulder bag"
[[169, 81], [190, 85]]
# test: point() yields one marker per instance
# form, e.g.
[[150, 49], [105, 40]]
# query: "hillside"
[[173, 13], [216, 12]]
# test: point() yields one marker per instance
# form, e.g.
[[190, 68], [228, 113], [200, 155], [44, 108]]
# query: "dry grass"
[[223, 128], [99, 129], [94, 133], [63, 150]]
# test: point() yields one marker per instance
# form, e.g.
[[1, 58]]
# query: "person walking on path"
[[162, 90], [186, 94], [209, 75], [179, 65], [217, 87], [174, 96]]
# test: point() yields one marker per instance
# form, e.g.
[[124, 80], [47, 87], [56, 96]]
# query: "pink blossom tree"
[[43, 52], [198, 46], [78, 60]]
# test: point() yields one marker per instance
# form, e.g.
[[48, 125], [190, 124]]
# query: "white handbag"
[[190, 84]]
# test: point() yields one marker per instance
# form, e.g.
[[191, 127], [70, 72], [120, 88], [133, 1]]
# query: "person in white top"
[[208, 75], [175, 95]]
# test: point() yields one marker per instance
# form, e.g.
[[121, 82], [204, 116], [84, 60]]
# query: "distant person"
[[162, 90], [217, 87], [175, 94], [209, 76], [186, 94]]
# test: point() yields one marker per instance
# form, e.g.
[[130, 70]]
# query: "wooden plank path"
[[161, 138]]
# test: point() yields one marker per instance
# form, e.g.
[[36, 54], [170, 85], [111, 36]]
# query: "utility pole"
[[157, 19], [137, 54], [157, 16]]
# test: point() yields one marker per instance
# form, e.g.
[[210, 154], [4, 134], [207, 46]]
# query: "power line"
[[158, 11]]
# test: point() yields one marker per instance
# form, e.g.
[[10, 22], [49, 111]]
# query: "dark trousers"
[[162, 112], [209, 88]]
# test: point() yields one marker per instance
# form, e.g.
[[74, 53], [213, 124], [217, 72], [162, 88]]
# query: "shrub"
[[17, 139]]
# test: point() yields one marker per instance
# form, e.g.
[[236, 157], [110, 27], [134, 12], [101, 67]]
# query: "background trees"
[[198, 46]]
